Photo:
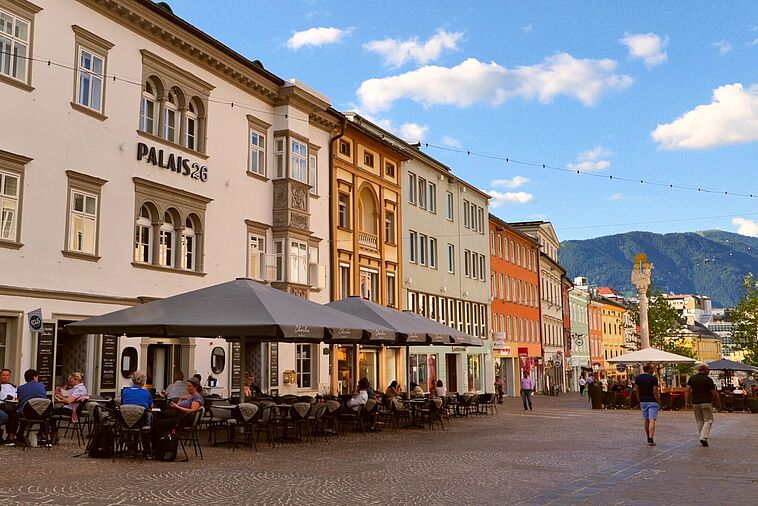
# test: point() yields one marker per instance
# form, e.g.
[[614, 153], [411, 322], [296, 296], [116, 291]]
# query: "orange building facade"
[[595, 310], [514, 284]]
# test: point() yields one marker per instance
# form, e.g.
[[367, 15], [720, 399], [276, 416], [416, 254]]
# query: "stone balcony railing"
[[368, 241]]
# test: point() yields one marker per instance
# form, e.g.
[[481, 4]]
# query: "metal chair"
[[187, 431], [131, 429], [36, 413], [243, 416]]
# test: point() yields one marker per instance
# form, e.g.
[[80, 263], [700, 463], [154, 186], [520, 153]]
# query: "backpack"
[[166, 448], [101, 444]]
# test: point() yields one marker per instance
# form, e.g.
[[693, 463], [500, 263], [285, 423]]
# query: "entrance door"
[[160, 372], [451, 364]]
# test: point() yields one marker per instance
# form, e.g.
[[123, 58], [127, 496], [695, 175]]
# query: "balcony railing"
[[368, 241]]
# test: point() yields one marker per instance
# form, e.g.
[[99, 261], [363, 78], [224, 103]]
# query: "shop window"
[[128, 361], [304, 359], [218, 360], [474, 373]]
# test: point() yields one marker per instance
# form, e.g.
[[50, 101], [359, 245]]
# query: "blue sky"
[[658, 91]]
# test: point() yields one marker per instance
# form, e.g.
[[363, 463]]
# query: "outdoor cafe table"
[[415, 406]]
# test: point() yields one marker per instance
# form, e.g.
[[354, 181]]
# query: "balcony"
[[369, 242]]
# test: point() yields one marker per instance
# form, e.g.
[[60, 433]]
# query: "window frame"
[[423, 249], [422, 193], [412, 238], [412, 188], [80, 73], [300, 252], [391, 293], [14, 165], [432, 197], [89, 186], [450, 206], [256, 152], [347, 213], [450, 258], [260, 240], [21, 11], [432, 252], [389, 228], [299, 158], [300, 359]]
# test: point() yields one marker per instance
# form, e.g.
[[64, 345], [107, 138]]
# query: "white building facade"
[[144, 160]]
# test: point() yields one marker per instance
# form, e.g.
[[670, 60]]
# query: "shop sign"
[[174, 163], [523, 351], [46, 354], [236, 365], [458, 349], [35, 320], [506, 350], [620, 367], [274, 364], [498, 342], [108, 366]]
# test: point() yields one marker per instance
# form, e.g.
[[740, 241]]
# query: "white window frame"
[[166, 244], [422, 249], [256, 256], [344, 280], [466, 215], [151, 120], [191, 128], [412, 240], [301, 358], [90, 78], [343, 211], [75, 243], [171, 109], [313, 173], [257, 152], [298, 262], [391, 290], [450, 258], [412, 188], [298, 167], [432, 202], [279, 263], [11, 63], [280, 160], [9, 206], [467, 263], [450, 208], [188, 248], [422, 193], [141, 225]]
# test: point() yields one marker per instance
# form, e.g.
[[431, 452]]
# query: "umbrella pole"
[[242, 370]]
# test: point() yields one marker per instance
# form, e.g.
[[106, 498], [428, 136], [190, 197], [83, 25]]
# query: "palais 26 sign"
[[174, 163]]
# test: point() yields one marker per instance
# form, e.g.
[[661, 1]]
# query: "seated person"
[[361, 397], [393, 390], [8, 416], [32, 389], [138, 396], [192, 402], [76, 394], [440, 390], [416, 391], [369, 391], [178, 388]]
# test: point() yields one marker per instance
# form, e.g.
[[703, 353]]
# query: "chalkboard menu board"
[[108, 365], [46, 355], [274, 364], [236, 365]]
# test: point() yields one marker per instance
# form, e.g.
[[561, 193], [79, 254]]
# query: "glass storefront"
[[423, 370], [475, 363], [368, 366], [346, 382]]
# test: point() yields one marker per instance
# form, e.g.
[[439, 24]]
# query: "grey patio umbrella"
[[730, 365]]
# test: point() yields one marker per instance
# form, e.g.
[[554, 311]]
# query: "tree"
[[745, 321]]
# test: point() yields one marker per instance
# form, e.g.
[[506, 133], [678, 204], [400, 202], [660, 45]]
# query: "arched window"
[[166, 245], [171, 118], [143, 237], [191, 126], [189, 245], [368, 213], [149, 107]]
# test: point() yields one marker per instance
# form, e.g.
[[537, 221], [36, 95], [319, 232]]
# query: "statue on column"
[[641, 278]]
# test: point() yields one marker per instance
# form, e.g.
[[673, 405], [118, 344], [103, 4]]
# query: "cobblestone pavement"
[[560, 453]]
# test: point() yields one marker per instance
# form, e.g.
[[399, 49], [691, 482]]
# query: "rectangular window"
[[147, 112], [467, 317], [304, 358], [508, 288], [166, 245], [480, 214], [422, 240], [492, 243], [466, 263], [257, 153], [500, 246], [280, 167], [432, 198], [313, 173], [412, 237], [449, 206], [256, 256], [298, 262], [82, 222], [279, 260], [345, 148], [412, 301], [368, 159], [389, 169], [370, 285], [344, 281], [391, 289], [9, 197], [343, 212], [389, 227], [432, 252], [298, 161], [412, 188], [475, 319], [474, 265], [14, 46], [501, 283], [170, 122], [314, 276], [451, 259], [452, 319], [187, 259], [90, 74], [475, 370], [422, 193], [421, 309], [466, 215], [443, 311]]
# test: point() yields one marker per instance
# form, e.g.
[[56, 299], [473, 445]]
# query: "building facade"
[[613, 334], [366, 252], [579, 301], [597, 353], [514, 288], [151, 161]]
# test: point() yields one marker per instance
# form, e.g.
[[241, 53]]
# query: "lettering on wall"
[[174, 163]]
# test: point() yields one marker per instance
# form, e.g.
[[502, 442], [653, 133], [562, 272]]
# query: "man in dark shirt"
[[648, 392], [701, 391]]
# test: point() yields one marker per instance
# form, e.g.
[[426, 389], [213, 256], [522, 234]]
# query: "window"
[[412, 188], [304, 359], [82, 222], [368, 159], [191, 129], [344, 148], [480, 214], [466, 263], [143, 237], [501, 285], [492, 243], [90, 74], [451, 258], [256, 256], [451, 315], [443, 311], [422, 193], [343, 211], [314, 271], [466, 206], [422, 239], [389, 169], [344, 281], [474, 265], [389, 227], [171, 118], [475, 373], [14, 46], [460, 315], [313, 173], [467, 317], [298, 262], [482, 320], [391, 289], [257, 153], [475, 320], [298, 161], [279, 164], [188, 246], [148, 108], [9, 198], [500, 246], [370, 284], [166, 242], [411, 301], [432, 252], [412, 246], [508, 288], [432, 198], [279, 260], [449, 206], [481, 267]]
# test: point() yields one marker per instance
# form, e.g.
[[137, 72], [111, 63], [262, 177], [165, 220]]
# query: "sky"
[[653, 91]]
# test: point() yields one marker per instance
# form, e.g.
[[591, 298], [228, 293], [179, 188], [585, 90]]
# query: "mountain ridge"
[[707, 262]]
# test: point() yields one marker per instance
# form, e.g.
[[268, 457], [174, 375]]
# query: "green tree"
[[665, 324], [745, 321]]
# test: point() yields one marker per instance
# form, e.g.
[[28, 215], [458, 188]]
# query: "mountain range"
[[710, 262]]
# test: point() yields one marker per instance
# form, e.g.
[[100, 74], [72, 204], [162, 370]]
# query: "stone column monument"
[[641, 275]]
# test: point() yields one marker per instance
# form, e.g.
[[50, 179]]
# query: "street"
[[560, 453]]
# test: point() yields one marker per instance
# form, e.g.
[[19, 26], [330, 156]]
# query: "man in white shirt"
[[8, 416], [7, 389], [360, 398], [178, 388]]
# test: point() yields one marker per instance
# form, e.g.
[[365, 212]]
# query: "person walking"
[[700, 394], [649, 393], [527, 388], [582, 385]]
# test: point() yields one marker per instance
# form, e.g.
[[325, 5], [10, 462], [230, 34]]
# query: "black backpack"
[[101, 444], [166, 447]]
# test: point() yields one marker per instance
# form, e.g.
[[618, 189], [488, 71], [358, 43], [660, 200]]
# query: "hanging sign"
[[35, 320]]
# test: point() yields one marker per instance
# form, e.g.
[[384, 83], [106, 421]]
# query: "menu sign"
[[46, 355], [236, 365], [108, 366], [274, 364]]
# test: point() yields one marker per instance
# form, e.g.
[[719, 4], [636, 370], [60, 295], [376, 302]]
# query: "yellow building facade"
[[366, 251], [613, 333]]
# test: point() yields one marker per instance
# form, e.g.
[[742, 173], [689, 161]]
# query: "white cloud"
[[451, 141], [317, 36], [473, 82], [413, 132], [396, 53], [499, 198], [723, 47], [746, 227], [754, 43], [527, 28], [648, 47], [513, 182], [593, 159], [730, 118], [616, 196]]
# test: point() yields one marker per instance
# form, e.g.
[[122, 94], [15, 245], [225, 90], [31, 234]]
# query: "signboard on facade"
[[174, 163], [108, 365], [620, 367], [35, 320], [46, 355], [498, 342], [274, 364], [236, 365], [523, 351]]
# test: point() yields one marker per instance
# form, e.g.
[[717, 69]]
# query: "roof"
[[612, 302], [703, 331], [511, 228], [607, 290]]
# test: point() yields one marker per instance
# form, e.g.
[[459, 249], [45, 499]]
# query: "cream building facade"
[[150, 160]]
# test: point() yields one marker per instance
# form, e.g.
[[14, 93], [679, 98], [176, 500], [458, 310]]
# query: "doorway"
[[162, 361], [451, 365]]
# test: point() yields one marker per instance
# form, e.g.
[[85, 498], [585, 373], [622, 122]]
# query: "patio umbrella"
[[730, 365], [651, 356]]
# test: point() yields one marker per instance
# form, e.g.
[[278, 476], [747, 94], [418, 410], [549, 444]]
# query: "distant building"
[[693, 308], [721, 325], [579, 301], [705, 343]]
